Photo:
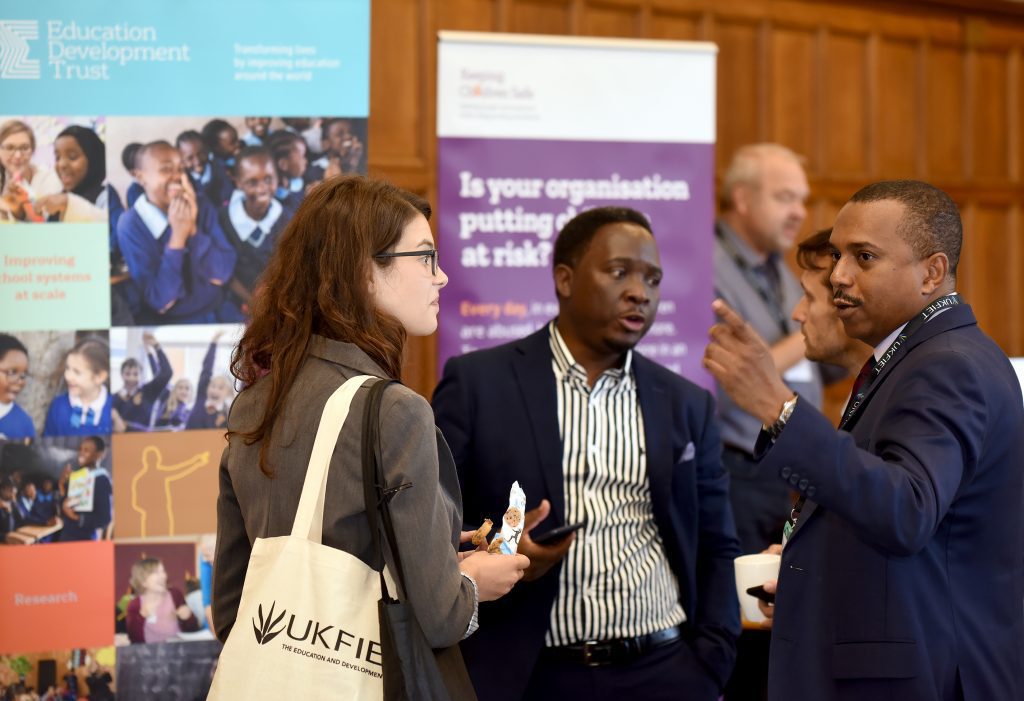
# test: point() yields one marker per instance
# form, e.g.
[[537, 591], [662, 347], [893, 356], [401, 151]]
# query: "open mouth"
[[634, 322]]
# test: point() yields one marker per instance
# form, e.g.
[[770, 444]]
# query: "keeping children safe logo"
[[14, 61]]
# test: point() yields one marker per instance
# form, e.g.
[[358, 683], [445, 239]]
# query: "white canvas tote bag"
[[307, 625]]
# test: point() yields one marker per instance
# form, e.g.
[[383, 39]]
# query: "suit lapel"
[[531, 364], [956, 317], [656, 407]]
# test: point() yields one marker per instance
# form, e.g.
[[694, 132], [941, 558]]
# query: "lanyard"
[[941, 304], [771, 298]]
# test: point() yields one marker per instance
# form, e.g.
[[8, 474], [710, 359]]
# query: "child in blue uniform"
[[213, 395], [209, 175], [90, 525], [15, 423], [289, 152], [253, 219], [221, 140], [175, 249], [257, 131], [173, 408], [134, 404], [85, 408]]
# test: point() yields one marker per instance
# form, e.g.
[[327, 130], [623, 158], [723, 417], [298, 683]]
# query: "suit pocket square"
[[689, 452]]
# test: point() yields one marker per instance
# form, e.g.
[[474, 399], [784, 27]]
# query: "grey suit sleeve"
[[440, 596], [232, 556]]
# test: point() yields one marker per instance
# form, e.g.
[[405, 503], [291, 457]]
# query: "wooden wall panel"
[[741, 70], [621, 20], [992, 290], [675, 26], [898, 119], [791, 85], [987, 102], [844, 105], [945, 104], [541, 17], [866, 89]]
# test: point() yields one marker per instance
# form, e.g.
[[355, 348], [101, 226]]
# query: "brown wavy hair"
[[318, 282]]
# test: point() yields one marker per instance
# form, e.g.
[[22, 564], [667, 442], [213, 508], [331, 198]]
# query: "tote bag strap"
[[309, 519], [376, 493]]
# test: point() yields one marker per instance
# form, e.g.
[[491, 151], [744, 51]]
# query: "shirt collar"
[[5, 409], [882, 347], [566, 364], [151, 215], [246, 225], [96, 405]]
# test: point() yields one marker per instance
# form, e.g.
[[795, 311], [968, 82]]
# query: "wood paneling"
[[865, 89]]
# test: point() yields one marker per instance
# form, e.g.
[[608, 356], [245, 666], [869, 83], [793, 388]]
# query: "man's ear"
[[563, 280], [936, 272], [741, 199]]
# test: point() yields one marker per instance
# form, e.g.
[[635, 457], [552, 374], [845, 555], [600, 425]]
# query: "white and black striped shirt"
[[615, 580]]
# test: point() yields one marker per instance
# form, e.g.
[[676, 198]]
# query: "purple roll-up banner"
[[534, 130]]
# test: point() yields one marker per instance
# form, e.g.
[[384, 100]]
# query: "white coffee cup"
[[751, 571]]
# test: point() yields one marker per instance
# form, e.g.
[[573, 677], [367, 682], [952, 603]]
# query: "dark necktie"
[[862, 377]]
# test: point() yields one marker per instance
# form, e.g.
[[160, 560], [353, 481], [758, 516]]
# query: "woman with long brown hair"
[[354, 273]]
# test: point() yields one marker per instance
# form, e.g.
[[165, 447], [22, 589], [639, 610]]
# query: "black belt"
[[597, 653]]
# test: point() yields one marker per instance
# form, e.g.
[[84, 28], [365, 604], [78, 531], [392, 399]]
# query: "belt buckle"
[[590, 659]]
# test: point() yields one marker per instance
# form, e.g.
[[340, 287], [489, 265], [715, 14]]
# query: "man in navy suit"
[[641, 601], [902, 575]]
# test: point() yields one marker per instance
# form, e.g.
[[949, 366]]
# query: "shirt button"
[[811, 490], [786, 471], [803, 484], [794, 479]]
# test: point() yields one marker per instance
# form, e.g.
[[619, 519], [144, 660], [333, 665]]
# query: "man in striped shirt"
[[641, 600]]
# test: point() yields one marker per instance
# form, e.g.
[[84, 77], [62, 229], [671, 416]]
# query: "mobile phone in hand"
[[556, 534], [758, 592]]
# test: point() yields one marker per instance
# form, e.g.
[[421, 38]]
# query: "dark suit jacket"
[[905, 570], [497, 410]]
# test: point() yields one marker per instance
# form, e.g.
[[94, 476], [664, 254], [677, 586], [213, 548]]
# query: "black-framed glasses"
[[429, 253]]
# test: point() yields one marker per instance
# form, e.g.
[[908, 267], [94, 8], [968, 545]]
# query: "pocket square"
[[689, 452]]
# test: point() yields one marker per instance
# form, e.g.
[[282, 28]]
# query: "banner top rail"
[[567, 40]]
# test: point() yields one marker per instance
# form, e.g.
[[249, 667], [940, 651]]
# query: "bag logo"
[[265, 630]]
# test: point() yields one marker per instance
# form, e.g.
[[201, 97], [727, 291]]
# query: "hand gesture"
[[184, 612], [148, 339], [217, 336], [542, 557], [56, 203], [742, 364], [768, 610], [494, 574]]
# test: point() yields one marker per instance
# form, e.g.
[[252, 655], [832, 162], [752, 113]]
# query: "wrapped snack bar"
[[512, 522]]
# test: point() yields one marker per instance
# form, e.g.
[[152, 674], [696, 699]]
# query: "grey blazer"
[[427, 517]]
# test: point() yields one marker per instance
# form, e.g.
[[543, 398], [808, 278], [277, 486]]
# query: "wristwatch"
[[776, 427]]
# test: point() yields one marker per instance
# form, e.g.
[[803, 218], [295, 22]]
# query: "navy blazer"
[[497, 409], [903, 579]]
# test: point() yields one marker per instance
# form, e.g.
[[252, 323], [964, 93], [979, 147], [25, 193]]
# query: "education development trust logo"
[[14, 61]]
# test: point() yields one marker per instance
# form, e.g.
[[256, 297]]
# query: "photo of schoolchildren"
[[134, 401], [209, 175], [53, 169], [54, 383], [59, 675], [173, 262], [180, 376], [83, 407], [257, 129], [56, 490], [15, 423], [344, 147], [253, 219], [154, 580]]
